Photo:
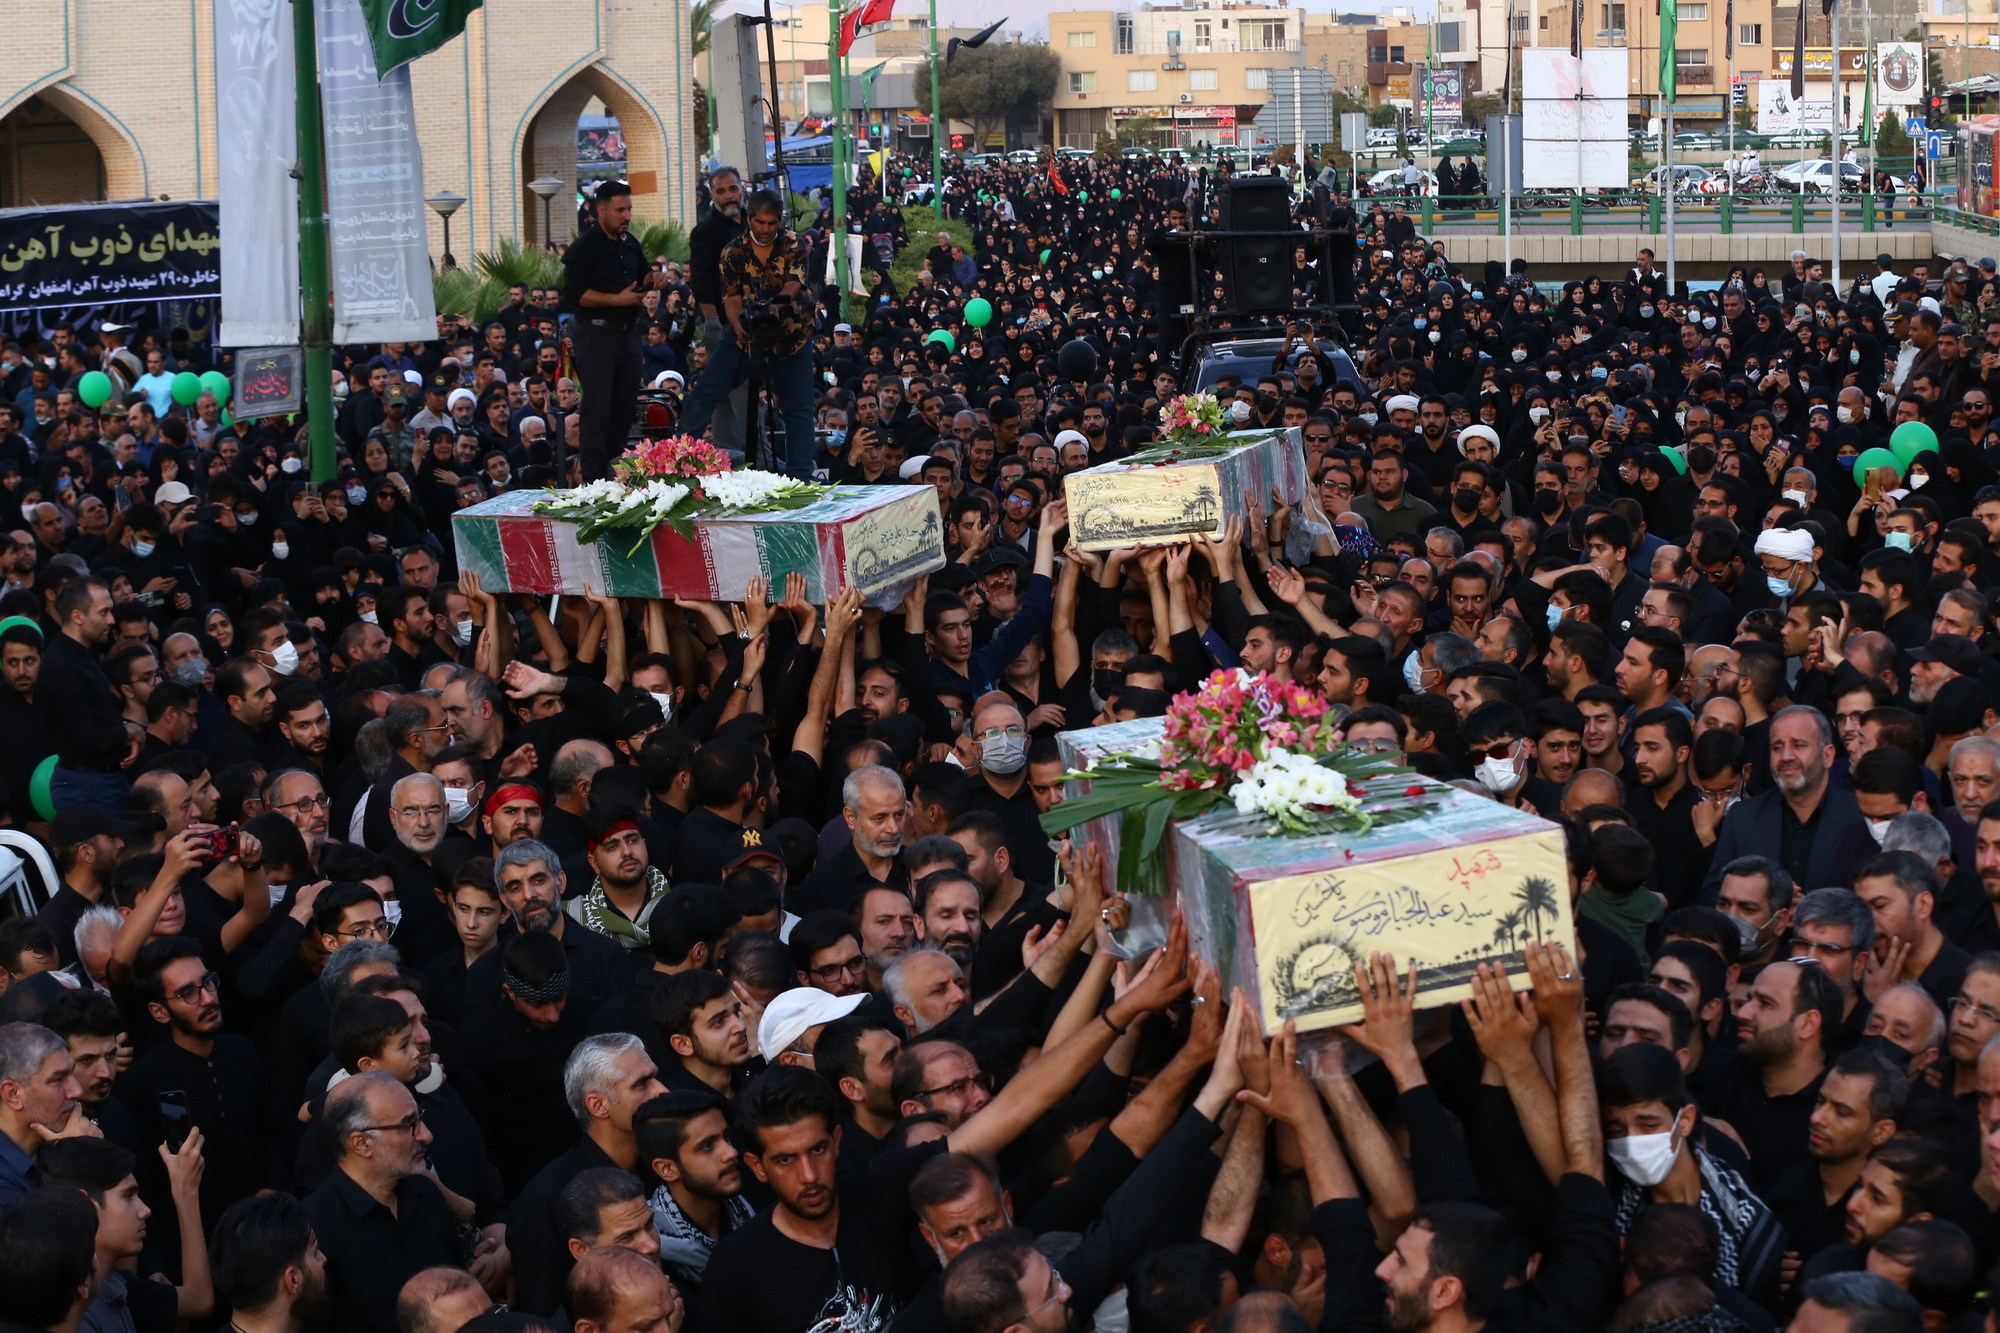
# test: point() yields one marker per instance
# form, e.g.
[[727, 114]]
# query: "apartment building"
[[1198, 71]]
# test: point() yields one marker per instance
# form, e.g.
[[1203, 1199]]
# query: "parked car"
[[1390, 183], [1688, 179], [1815, 176]]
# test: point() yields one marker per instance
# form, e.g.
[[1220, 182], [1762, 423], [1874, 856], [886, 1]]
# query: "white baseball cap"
[[173, 493], [795, 1012]]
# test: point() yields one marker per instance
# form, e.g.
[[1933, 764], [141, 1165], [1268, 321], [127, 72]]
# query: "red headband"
[[513, 791], [622, 826]]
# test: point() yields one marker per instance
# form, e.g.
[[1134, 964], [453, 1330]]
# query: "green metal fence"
[[1634, 211]]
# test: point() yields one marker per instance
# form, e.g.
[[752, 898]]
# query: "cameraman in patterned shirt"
[[768, 302]]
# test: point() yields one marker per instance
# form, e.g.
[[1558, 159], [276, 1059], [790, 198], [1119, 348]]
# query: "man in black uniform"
[[716, 387], [604, 272], [1171, 250]]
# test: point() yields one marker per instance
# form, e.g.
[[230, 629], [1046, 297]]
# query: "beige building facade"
[[1198, 71], [108, 100]]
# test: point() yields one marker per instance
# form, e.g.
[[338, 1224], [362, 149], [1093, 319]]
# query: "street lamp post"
[[546, 187], [444, 203]]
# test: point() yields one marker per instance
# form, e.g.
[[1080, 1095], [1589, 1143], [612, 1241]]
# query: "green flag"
[[402, 30], [1669, 76]]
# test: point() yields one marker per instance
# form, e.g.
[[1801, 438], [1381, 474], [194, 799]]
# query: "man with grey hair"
[[874, 804], [570, 776], [1923, 836], [418, 818], [1804, 820], [924, 987], [379, 1217], [1835, 929], [300, 796], [606, 1080], [96, 931], [529, 878], [38, 1102]]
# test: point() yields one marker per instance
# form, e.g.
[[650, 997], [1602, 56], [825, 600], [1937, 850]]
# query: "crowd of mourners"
[[425, 957]]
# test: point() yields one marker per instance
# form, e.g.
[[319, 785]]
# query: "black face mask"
[[1701, 458], [1887, 1049], [1548, 502], [1107, 681], [1465, 499]]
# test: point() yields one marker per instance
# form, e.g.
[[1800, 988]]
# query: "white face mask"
[[457, 804], [1796, 497], [393, 910], [291, 465], [1520, 355], [370, 618], [1501, 776], [285, 658], [1917, 479], [461, 631], [1413, 673], [281, 550], [1538, 415], [666, 703], [1643, 1159], [1848, 416], [144, 549], [1878, 829], [1436, 336], [1553, 375], [357, 495]]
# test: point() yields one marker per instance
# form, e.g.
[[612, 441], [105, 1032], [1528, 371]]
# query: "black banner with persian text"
[[98, 254]]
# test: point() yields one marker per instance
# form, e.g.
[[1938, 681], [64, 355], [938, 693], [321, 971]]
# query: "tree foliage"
[[985, 86], [1893, 149], [1132, 132]]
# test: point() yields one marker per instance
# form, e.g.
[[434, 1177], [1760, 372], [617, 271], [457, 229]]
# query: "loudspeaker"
[[1257, 203], [1342, 251]]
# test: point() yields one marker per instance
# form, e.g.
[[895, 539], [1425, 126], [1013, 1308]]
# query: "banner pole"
[[315, 292]]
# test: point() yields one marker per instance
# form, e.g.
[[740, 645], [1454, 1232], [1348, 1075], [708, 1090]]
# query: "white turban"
[[1486, 433], [456, 394], [1785, 543], [1403, 402]]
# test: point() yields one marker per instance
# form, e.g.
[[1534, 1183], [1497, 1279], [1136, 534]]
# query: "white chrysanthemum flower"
[[744, 489]]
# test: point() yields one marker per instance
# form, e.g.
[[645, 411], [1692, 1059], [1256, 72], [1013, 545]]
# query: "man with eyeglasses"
[[297, 794], [380, 1217], [417, 817], [202, 1078]]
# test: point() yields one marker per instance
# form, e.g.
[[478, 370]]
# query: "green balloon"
[[216, 383], [1083, 196], [38, 788], [979, 312], [942, 336], [186, 388], [1873, 458], [1117, 193], [1045, 256], [1677, 460], [1910, 439], [94, 388]]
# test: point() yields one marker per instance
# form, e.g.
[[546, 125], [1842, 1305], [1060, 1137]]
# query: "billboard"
[[1899, 74], [1778, 113], [1573, 119], [1443, 93]]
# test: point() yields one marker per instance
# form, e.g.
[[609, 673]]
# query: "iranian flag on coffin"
[[878, 538], [1286, 917], [1150, 499]]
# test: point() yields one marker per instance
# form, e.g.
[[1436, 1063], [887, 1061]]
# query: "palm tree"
[[700, 17], [1506, 928], [1538, 900]]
